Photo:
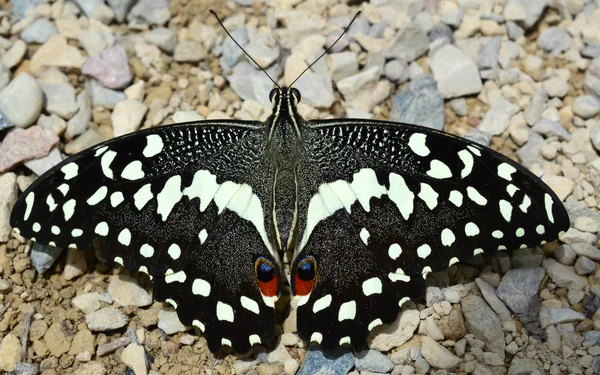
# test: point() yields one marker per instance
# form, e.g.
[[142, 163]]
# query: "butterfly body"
[[368, 209]]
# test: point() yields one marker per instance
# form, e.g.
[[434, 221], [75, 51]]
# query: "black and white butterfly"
[[368, 208]]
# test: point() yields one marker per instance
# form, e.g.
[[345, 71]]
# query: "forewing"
[[383, 204], [185, 204]]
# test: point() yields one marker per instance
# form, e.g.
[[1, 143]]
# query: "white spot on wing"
[[154, 145], [70, 170], [199, 324], [146, 250], [178, 276], [520, 232], [98, 196], [55, 230], [372, 286], [505, 209], [428, 195], [475, 196], [124, 237], [448, 237], [347, 311], [254, 339], [416, 142], [365, 186], [525, 204], [394, 251], [505, 171], [64, 189], [344, 193], [540, 229], [456, 198], [174, 251], [467, 158], [453, 260], [29, 200], [202, 236], [374, 323], [511, 189], [133, 171], [101, 229], [36, 227], [100, 151], [439, 170], [116, 198], [76, 232], [497, 234], [423, 251], [203, 186], [399, 275], [69, 209], [322, 303], [51, 203], [548, 202], [474, 150], [364, 236], [249, 304], [169, 196], [118, 260], [471, 229], [316, 337], [224, 312], [142, 196], [225, 342], [105, 161], [345, 340], [201, 287], [400, 194]]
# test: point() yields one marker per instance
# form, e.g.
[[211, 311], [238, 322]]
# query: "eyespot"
[[304, 276], [295, 93], [266, 277], [273, 95]]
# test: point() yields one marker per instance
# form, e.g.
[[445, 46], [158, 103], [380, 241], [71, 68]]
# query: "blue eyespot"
[[306, 269], [265, 271]]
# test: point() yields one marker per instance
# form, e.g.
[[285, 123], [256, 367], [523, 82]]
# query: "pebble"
[[5, 76], [163, 38], [75, 265], [556, 87], [563, 276], [8, 197], [342, 65], [519, 286], [127, 116], [91, 368], [316, 362], [87, 302], [586, 250], [410, 43], [534, 110], [60, 99], [252, 84], [491, 296], [565, 254], [455, 72], [82, 120], [552, 316], [86, 140], [586, 106], [56, 52], [57, 340], [189, 51], [21, 101], [5, 286], [169, 322], [152, 12], [438, 356], [39, 31], [396, 71], [264, 48], [20, 146], [584, 266], [397, 333], [22, 368], [554, 40], [44, 256], [126, 291], [549, 128], [488, 58], [562, 186], [483, 323], [10, 352], [14, 55], [497, 118], [134, 356], [105, 319], [373, 361], [83, 342], [419, 103], [104, 97], [316, 89], [109, 67], [121, 8]]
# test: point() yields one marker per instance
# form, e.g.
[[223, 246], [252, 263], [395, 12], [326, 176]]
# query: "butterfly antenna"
[[330, 47], [243, 50]]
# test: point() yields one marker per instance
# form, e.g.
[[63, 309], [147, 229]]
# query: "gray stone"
[[163, 38], [22, 368], [189, 51], [373, 361], [152, 12], [342, 65], [438, 356], [104, 97], [396, 71], [518, 286], [459, 106], [441, 31], [564, 276], [549, 128], [41, 165], [586, 106], [565, 254], [21, 101], [105, 319], [490, 294], [81, 121], [410, 43], [397, 333], [534, 110], [488, 58], [264, 49], [591, 51], [89, 6], [595, 136], [86, 140], [514, 31], [39, 31], [584, 266], [4, 123], [419, 103], [109, 67], [483, 323], [554, 40], [126, 291], [231, 54], [316, 362], [552, 316], [497, 119], [60, 99], [456, 74], [586, 250], [251, 84], [169, 322], [87, 302], [20, 7], [121, 8], [478, 136], [530, 153], [316, 89], [5, 76], [44, 256]]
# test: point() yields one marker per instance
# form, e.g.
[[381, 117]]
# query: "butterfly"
[[368, 209]]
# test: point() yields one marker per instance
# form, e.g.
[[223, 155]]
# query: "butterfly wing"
[[185, 204], [383, 204]]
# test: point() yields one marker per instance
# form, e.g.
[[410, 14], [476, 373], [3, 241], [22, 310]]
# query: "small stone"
[[152, 12], [519, 286], [163, 38], [43, 256], [264, 48], [56, 52], [549, 128], [409, 44], [396, 71], [188, 339], [187, 116], [556, 87], [86, 140], [60, 99], [120, 8], [134, 356], [5, 286], [535, 108], [587, 224], [14, 55], [586, 250], [20, 146], [565, 254], [189, 51], [586, 106], [81, 121], [39, 31], [490, 294], [169, 322], [459, 106], [397, 333], [562, 186], [21, 101], [10, 352], [419, 103], [109, 67], [554, 40], [8, 197], [456, 74], [489, 54], [106, 319], [126, 291], [75, 265], [56, 339], [316, 362], [552, 316], [127, 116], [136, 91], [316, 89], [373, 361], [497, 119], [438, 356], [91, 368], [83, 342], [483, 323], [342, 65], [87, 302], [564, 276]]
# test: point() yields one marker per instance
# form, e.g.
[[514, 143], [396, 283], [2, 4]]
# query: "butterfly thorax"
[[285, 149]]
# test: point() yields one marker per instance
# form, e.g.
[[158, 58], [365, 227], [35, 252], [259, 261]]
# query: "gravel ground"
[[520, 76]]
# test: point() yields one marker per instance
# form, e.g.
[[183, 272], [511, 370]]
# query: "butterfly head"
[[286, 95]]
